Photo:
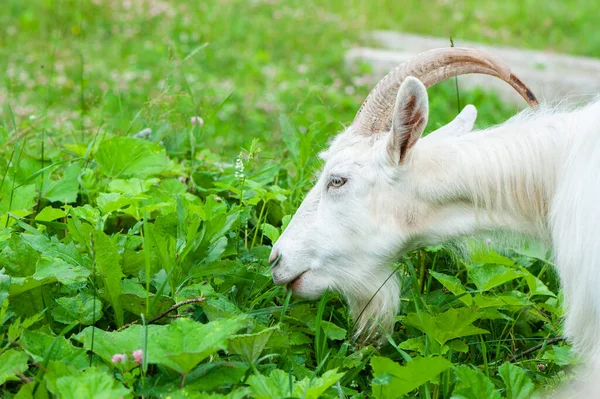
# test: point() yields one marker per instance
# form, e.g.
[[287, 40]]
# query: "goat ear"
[[409, 120], [462, 124]]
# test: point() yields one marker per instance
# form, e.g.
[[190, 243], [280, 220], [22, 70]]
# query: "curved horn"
[[431, 67]]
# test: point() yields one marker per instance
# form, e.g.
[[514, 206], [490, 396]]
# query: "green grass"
[[99, 228]]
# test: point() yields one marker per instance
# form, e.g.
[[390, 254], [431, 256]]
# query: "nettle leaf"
[[517, 382], [12, 362], [536, 286], [180, 346], [488, 276], [109, 269], [392, 380], [454, 285], [250, 346], [44, 347], [473, 384], [270, 231], [212, 375], [454, 323], [561, 356], [66, 188], [92, 383], [130, 157], [186, 343], [132, 186], [82, 309], [133, 299], [48, 214], [486, 255], [64, 272], [313, 388], [4, 287], [277, 385]]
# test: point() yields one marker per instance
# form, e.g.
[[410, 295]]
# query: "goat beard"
[[373, 301]]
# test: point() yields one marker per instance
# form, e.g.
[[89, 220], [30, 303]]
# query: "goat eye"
[[336, 181]]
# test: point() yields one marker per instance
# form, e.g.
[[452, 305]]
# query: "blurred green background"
[[75, 67]]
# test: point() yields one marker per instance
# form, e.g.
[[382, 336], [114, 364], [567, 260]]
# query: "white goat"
[[384, 191]]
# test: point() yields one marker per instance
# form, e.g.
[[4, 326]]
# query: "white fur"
[[537, 174]]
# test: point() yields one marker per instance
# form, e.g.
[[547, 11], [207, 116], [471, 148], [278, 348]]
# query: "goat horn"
[[431, 67]]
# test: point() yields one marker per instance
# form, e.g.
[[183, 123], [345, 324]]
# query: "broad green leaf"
[[501, 301], [536, 286], [453, 323], [486, 255], [212, 375], [44, 347], [191, 393], [535, 249], [22, 197], [473, 384], [313, 388], [392, 380], [517, 382], [130, 157], [488, 276], [66, 188], [48, 214], [561, 356], [187, 342], [181, 345], [276, 385], [4, 287], [331, 330], [250, 346], [64, 272], [92, 383], [133, 299], [82, 309], [454, 285], [132, 186], [109, 269], [270, 231], [12, 362]]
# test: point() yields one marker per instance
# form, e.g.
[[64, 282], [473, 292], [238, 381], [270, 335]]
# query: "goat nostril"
[[274, 258]]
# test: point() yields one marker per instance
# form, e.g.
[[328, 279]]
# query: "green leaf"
[[12, 362], [43, 347], [488, 276], [561, 356], [473, 384], [64, 272], [536, 286], [250, 346], [49, 214], [180, 346], [210, 376], [517, 382], [486, 255], [82, 309], [277, 385], [66, 188], [109, 269], [453, 323], [92, 383], [4, 287], [187, 342], [130, 157], [313, 388], [392, 380], [270, 231], [454, 285]]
